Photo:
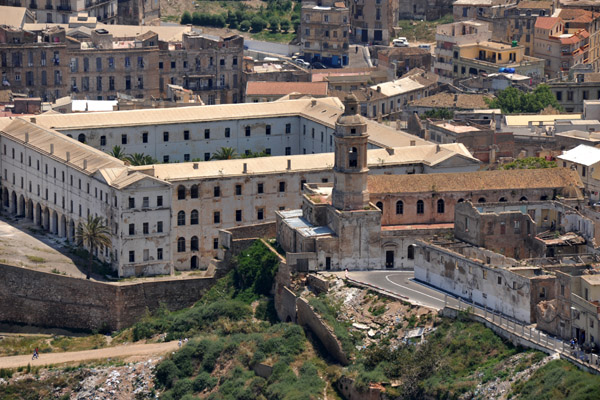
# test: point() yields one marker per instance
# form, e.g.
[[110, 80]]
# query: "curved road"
[[403, 283]]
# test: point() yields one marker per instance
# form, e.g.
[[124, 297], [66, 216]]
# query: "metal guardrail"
[[552, 344]]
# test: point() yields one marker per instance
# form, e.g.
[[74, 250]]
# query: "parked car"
[[400, 42], [302, 63], [318, 65], [425, 46]]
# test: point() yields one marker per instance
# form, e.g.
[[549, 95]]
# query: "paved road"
[[78, 356], [402, 283]]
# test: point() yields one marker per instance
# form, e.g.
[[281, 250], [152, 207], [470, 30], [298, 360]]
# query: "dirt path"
[[78, 356]]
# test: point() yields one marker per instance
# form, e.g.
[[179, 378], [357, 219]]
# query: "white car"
[[302, 63], [400, 42]]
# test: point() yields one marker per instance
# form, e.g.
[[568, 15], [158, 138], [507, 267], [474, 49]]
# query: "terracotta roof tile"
[[576, 15], [475, 181], [450, 100], [546, 22], [283, 88]]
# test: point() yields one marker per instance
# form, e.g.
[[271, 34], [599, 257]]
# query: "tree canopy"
[[512, 100]]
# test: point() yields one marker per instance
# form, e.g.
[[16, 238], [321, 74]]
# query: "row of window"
[[194, 244], [260, 215], [145, 202], [146, 228], [441, 207], [260, 188], [146, 255]]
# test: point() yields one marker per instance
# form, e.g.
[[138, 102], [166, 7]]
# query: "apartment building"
[[449, 35], [324, 33], [577, 19], [560, 47], [34, 65], [485, 10], [59, 11], [488, 57], [373, 21], [521, 22], [109, 59]]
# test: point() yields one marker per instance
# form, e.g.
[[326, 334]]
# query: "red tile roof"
[[576, 15], [284, 88], [579, 36], [546, 22]]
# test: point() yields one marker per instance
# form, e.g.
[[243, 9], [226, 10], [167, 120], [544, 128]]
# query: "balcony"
[[49, 7], [63, 7], [33, 5]]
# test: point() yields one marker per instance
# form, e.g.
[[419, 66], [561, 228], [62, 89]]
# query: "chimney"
[[413, 142], [26, 137], [245, 170], [313, 102], [378, 89], [68, 156], [195, 165], [84, 164], [51, 148], [33, 120], [437, 148], [289, 164]]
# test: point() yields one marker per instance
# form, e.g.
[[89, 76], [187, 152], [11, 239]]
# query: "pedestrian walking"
[[356, 50], [35, 354], [179, 344]]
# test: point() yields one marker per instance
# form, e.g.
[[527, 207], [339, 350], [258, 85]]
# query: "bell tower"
[[350, 169]]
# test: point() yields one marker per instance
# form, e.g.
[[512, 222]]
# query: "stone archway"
[[29, 210], [37, 214], [71, 231], [5, 197], [62, 226], [21, 206], [13, 202], [46, 219], [54, 222]]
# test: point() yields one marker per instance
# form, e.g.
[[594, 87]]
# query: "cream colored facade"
[[324, 33]]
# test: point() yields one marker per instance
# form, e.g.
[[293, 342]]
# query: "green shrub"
[[204, 382], [245, 25], [186, 18], [166, 373], [258, 24], [182, 387]]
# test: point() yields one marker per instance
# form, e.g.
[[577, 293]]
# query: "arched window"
[[481, 200], [502, 199], [379, 205], [194, 243], [399, 207], [420, 207], [194, 217], [194, 192], [194, 262], [441, 207], [353, 157], [81, 138], [181, 218], [180, 192], [523, 198], [181, 245]]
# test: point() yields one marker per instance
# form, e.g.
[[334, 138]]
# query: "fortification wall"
[[49, 300]]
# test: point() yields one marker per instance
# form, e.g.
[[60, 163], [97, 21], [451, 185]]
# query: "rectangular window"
[[216, 244], [159, 201], [132, 202], [268, 129], [159, 253], [165, 159], [281, 187], [288, 128], [146, 202], [238, 215], [217, 217], [145, 228], [165, 136], [207, 134], [145, 137], [288, 151], [131, 229], [131, 256], [124, 138], [227, 132], [159, 227], [186, 157], [238, 190], [186, 135], [247, 131], [217, 191], [260, 188], [206, 156], [260, 214]]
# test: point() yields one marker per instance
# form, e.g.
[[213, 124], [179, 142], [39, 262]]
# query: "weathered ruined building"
[[324, 33], [32, 64], [98, 63], [373, 21]]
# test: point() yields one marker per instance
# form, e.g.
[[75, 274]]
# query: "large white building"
[[167, 216]]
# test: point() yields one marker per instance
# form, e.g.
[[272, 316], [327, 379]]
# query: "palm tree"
[[93, 234], [225, 153], [139, 159], [117, 152]]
